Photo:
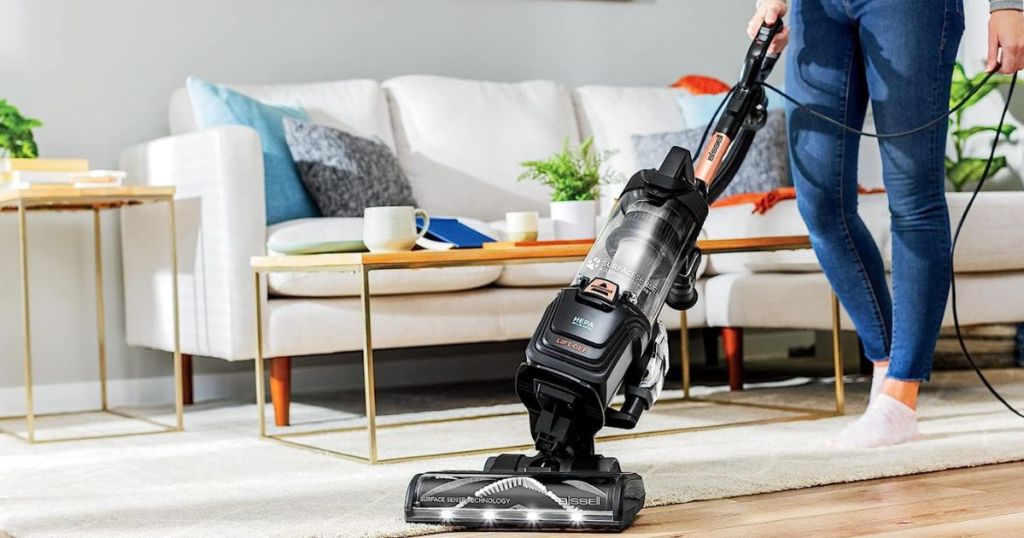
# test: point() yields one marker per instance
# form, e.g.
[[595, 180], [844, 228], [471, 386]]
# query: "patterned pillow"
[[344, 173], [766, 167]]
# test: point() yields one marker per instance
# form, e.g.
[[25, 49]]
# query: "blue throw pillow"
[[699, 110], [216, 105]]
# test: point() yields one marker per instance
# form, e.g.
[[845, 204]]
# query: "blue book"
[[454, 232]]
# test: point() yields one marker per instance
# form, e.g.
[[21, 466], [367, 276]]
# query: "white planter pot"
[[574, 220]]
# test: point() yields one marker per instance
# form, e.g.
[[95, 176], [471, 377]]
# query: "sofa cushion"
[[993, 235], [355, 106], [738, 221], [314, 326], [612, 115], [532, 275], [462, 142], [752, 300], [755, 300], [391, 282], [321, 234], [991, 239], [344, 173]]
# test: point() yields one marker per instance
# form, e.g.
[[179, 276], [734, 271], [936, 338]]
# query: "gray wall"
[[99, 74], [100, 71]]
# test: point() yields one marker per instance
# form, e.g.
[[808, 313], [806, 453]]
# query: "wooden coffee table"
[[365, 262]]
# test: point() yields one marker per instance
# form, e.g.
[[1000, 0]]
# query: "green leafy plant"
[[572, 174], [965, 169], [16, 138]]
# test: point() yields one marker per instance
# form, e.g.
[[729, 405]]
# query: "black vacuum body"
[[600, 338]]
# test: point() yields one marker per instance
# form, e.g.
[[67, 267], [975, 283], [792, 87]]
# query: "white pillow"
[[316, 236], [358, 107], [462, 142], [612, 115]]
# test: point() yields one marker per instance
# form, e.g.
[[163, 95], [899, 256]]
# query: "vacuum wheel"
[[505, 463], [608, 465]]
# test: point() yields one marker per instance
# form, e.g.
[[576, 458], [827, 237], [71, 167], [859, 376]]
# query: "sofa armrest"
[[221, 223]]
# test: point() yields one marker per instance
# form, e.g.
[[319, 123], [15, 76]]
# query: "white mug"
[[392, 228], [521, 225]]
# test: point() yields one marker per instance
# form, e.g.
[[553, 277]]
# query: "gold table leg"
[[260, 388], [369, 381], [368, 369], [179, 396], [26, 323], [101, 323], [837, 355]]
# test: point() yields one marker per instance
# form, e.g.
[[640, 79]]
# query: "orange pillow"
[[701, 85]]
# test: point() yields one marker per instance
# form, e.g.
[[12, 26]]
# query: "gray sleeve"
[[996, 5]]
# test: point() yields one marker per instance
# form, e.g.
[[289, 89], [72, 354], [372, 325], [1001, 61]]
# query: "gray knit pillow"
[[766, 167], [344, 173]]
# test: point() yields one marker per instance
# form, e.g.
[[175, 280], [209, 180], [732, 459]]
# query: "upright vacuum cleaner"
[[601, 337]]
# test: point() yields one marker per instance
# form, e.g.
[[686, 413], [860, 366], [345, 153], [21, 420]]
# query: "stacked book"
[[41, 173]]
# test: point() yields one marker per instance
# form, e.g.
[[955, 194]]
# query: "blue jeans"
[[897, 55]]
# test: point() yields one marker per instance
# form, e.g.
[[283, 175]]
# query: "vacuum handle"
[[743, 100], [759, 63]]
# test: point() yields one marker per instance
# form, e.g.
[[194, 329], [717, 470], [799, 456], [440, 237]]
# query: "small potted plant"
[[574, 176], [16, 138]]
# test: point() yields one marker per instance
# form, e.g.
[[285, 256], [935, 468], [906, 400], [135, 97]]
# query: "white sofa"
[[460, 142]]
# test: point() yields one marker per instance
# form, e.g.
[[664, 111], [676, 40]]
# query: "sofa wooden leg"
[[710, 336], [732, 341], [281, 388], [186, 379]]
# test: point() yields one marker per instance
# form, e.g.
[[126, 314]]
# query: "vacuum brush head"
[[525, 501]]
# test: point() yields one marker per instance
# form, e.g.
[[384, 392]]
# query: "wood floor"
[[985, 501]]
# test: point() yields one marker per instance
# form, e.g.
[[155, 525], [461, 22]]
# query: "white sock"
[[887, 421], [877, 380]]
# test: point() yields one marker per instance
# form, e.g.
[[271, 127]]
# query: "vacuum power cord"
[[956, 236], [915, 130], [963, 218]]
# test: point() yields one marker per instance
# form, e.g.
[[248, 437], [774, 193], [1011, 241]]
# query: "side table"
[[67, 198]]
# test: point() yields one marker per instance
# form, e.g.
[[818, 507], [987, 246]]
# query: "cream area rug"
[[218, 479]]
